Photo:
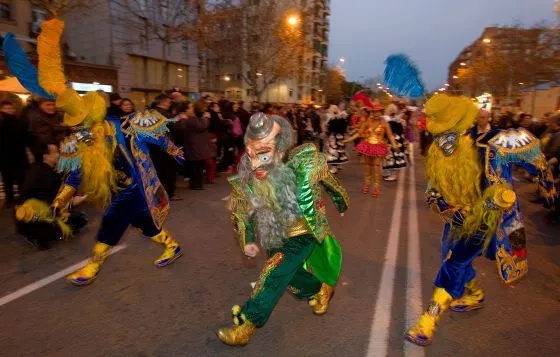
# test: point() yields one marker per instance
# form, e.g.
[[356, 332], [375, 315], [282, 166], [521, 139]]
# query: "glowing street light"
[[463, 64], [521, 83], [341, 60], [487, 40], [259, 74], [293, 20], [227, 78], [447, 84], [455, 77]]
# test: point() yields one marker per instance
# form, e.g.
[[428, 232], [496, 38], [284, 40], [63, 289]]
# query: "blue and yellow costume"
[[481, 211], [105, 159]]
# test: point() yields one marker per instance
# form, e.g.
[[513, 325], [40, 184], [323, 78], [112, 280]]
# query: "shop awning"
[[12, 85]]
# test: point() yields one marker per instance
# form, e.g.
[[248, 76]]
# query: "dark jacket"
[[41, 182], [13, 140], [196, 138], [114, 111], [45, 128]]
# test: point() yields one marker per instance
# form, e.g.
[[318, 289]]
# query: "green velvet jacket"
[[312, 174]]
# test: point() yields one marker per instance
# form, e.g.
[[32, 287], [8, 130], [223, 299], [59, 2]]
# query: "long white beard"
[[273, 202]]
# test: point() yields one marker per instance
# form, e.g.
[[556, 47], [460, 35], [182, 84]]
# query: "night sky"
[[431, 32]]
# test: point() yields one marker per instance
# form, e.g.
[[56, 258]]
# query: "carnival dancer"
[[108, 160], [470, 187], [336, 126], [373, 147], [397, 157], [278, 205]]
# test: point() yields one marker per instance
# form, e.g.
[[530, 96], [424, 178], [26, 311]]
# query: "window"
[[5, 10], [177, 75], [138, 72], [155, 73], [38, 15]]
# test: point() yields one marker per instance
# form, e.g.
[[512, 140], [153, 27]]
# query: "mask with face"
[[447, 142]]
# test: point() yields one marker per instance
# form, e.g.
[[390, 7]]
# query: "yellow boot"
[[237, 335], [240, 333], [173, 250], [472, 300], [422, 332], [320, 301], [88, 273]]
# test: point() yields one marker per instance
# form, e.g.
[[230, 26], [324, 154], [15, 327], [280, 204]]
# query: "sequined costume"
[[140, 199], [373, 131], [105, 159], [482, 217], [308, 260]]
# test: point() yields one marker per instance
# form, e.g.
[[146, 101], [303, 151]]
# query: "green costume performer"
[[279, 204]]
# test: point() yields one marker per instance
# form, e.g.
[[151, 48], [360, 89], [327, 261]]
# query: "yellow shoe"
[[320, 301], [237, 335], [423, 331], [88, 273], [173, 250], [472, 300]]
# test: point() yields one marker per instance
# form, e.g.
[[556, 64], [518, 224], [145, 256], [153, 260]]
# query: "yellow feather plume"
[[51, 70]]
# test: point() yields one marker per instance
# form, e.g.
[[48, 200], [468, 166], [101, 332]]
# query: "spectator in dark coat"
[[197, 143], [45, 123], [166, 166], [13, 140], [114, 109], [220, 128]]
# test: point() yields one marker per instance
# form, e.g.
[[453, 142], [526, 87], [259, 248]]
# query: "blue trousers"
[[457, 267], [128, 208]]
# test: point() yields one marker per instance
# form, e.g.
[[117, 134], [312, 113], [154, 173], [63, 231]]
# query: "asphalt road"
[[391, 254]]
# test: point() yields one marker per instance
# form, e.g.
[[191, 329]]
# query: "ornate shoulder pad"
[[307, 156], [69, 150], [149, 123], [515, 145]]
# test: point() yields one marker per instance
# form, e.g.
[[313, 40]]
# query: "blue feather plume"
[[402, 77], [20, 66]]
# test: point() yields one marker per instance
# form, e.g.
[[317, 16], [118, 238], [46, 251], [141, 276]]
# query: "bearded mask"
[[263, 150]]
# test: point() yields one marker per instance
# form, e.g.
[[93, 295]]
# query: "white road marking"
[[379, 333], [414, 268], [49, 279]]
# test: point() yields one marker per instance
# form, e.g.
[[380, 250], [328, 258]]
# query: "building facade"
[[122, 33], [24, 20]]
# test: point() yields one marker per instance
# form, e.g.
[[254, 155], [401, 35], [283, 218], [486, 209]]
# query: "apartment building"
[[133, 36]]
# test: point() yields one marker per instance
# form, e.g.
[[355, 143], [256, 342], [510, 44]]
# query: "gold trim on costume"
[[270, 265], [299, 228], [64, 197]]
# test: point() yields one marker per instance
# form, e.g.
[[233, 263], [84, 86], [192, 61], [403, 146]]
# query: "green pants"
[[283, 270]]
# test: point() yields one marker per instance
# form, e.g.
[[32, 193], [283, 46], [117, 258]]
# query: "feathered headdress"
[[403, 77], [20, 66]]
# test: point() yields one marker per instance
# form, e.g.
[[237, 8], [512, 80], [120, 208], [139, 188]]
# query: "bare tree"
[[258, 38], [334, 83], [57, 8], [517, 57]]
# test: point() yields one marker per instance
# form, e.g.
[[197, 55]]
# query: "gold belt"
[[298, 228]]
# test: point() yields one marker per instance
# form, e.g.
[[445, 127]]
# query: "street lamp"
[[447, 84], [227, 78], [455, 77], [463, 64], [259, 74], [341, 60], [521, 83], [293, 20], [487, 40]]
